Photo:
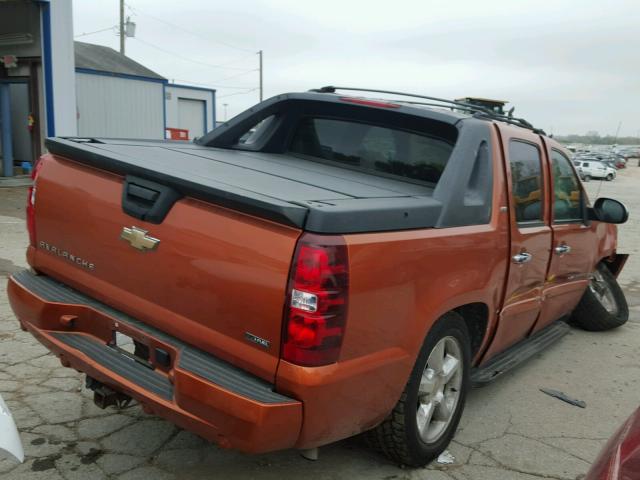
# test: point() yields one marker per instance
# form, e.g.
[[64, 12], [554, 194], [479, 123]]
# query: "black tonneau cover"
[[287, 189]]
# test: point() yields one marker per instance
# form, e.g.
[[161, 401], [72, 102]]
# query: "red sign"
[[10, 61]]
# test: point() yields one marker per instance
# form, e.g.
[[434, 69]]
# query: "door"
[[192, 116], [21, 136], [527, 185], [574, 243]]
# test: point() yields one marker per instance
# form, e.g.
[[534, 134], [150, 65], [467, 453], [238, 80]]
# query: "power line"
[[237, 60], [242, 72], [209, 84], [113, 27], [220, 42], [235, 76], [238, 93], [187, 59]]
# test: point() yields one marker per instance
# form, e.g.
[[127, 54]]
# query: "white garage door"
[[191, 116]]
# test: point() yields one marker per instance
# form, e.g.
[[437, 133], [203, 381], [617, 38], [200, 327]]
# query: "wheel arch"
[[615, 262], [476, 317]]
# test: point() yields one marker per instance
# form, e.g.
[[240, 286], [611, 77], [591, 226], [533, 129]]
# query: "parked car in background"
[[617, 160], [351, 265], [10, 442], [595, 169], [620, 162], [620, 457], [610, 163], [613, 160]]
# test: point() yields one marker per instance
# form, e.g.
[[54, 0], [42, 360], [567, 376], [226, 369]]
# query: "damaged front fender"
[[616, 262], [9, 437]]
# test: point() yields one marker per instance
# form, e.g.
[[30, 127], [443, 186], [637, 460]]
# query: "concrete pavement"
[[509, 430]]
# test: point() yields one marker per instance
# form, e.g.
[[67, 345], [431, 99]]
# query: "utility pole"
[[260, 55], [122, 27], [618, 130]]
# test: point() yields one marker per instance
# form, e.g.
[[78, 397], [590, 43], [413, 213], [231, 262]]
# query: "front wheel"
[[609, 177], [587, 178], [425, 418], [603, 305]]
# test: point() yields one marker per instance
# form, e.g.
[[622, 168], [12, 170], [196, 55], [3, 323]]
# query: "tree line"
[[596, 139]]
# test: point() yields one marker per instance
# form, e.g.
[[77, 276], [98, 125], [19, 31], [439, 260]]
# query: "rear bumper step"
[[190, 359], [197, 391], [518, 354], [133, 371]]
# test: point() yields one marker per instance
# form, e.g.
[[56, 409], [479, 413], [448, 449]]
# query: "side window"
[[567, 195], [252, 135], [527, 182]]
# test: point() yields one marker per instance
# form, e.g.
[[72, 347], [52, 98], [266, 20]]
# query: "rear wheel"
[[603, 305], [425, 418]]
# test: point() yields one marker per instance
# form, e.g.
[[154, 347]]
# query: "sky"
[[566, 66]]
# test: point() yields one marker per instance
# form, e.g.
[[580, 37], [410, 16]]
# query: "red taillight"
[[316, 308], [31, 203]]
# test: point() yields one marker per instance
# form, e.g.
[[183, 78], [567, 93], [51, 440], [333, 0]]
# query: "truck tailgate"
[[216, 279]]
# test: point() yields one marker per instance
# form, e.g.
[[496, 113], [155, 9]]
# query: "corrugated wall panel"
[[119, 107]]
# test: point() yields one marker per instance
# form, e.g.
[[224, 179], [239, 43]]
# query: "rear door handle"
[[562, 249], [522, 257]]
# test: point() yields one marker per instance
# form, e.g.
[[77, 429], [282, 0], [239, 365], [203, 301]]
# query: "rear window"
[[373, 148]]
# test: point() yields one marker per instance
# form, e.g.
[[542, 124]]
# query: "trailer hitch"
[[105, 397]]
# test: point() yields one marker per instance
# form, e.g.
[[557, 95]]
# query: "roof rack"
[[476, 110]]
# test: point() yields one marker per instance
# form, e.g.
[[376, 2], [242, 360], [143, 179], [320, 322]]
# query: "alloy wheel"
[[439, 390], [603, 293]]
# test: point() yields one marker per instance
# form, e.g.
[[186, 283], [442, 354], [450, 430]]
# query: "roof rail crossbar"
[[332, 89], [433, 104], [477, 110], [519, 122]]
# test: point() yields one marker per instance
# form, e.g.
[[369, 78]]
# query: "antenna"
[[260, 55]]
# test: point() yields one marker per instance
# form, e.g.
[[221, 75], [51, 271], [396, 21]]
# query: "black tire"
[[609, 177], [591, 314], [587, 178], [398, 436]]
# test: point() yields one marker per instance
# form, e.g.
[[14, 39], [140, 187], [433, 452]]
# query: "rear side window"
[[373, 148], [254, 134], [527, 182]]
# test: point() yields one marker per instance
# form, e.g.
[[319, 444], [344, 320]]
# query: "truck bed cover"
[[288, 189]]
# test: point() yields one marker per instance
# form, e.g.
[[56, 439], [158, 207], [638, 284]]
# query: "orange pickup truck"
[[322, 265]]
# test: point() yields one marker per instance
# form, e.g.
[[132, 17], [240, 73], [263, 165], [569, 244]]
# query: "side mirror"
[[608, 210]]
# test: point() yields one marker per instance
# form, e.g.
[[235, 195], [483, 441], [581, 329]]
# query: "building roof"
[[105, 59]]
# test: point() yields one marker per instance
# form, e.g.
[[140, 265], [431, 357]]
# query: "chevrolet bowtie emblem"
[[139, 239]]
